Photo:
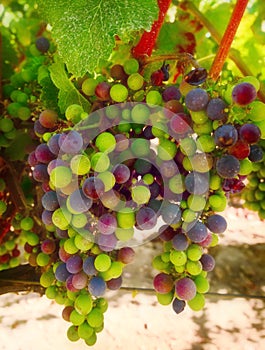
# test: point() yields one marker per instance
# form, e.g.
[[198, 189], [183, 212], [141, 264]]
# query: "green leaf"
[[84, 30], [68, 94]]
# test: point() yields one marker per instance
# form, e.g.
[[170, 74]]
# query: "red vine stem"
[[227, 39], [147, 42]]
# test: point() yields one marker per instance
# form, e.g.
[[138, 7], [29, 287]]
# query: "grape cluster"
[[148, 160]]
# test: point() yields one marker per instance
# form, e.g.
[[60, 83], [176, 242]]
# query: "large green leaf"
[[68, 94], [84, 29]]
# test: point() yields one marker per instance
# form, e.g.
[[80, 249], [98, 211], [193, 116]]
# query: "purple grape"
[[97, 286], [216, 109], [54, 163], [93, 187], [196, 99], [114, 283], [180, 242], [61, 272], [42, 44], [102, 91], [121, 172], [243, 94], [107, 243], [163, 283], [80, 280], [74, 264], [178, 305], [107, 224], [48, 246], [166, 233], [63, 255], [50, 201], [228, 166], [171, 93], [168, 169], [180, 124], [198, 232], [71, 143], [154, 189], [185, 288], [171, 213], [61, 233], [197, 183], [256, 154], [250, 133], [69, 284], [225, 136], [147, 133], [32, 160], [126, 255], [216, 223], [146, 218], [46, 217], [39, 129], [79, 202], [53, 144], [208, 262], [89, 267], [233, 185], [40, 173]]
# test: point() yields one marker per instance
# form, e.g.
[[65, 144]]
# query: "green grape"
[[215, 240], [42, 259], [131, 66], [76, 317], [165, 299], [85, 330], [165, 257], [202, 162], [14, 262], [218, 202], [100, 162], [126, 114], [256, 111], [205, 128], [6, 125], [199, 117], [205, 143], [135, 81], [126, 218], [154, 98], [95, 318], [32, 238], [194, 267], [69, 246], [189, 215], [88, 86], [202, 284], [23, 113], [188, 146], [187, 164], [106, 142], [47, 278], [197, 303], [108, 179], [3, 207], [102, 262], [124, 234], [79, 220], [51, 292], [140, 147], [159, 130], [92, 339], [141, 194], [112, 111], [10, 245], [102, 304], [139, 96], [176, 184], [148, 179], [118, 93], [83, 304], [166, 149], [178, 258], [115, 269], [140, 113], [61, 218], [60, 176], [196, 202], [124, 127], [72, 333], [73, 113], [215, 182], [180, 269], [80, 164], [245, 167], [13, 108], [251, 80], [194, 252], [82, 243], [27, 224]]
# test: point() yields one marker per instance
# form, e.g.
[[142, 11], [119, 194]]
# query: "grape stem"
[[227, 39], [147, 42]]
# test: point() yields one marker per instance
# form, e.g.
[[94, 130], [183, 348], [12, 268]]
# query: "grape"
[[225, 136], [171, 93], [197, 183], [168, 169], [100, 162], [61, 272], [202, 284], [53, 144], [102, 91], [97, 286], [79, 280], [140, 113], [178, 258], [217, 202], [61, 176], [107, 242], [117, 72], [185, 288], [172, 106], [146, 218], [153, 98], [67, 312], [196, 202], [180, 124], [257, 110], [126, 218], [180, 242], [198, 232], [122, 143], [216, 223], [50, 201], [93, 187], [72, 334], [166, 149], [80, 164], [43, 154], [61, 218], [250, 133], [163, 283], [89, 266], [255, 154], [135, 81], [227, 166], [240, 150], [140, 194], [197, 303], [178, 305], [71, 143], [89, 86], [157, 78], [194, 268], [114, 283], [48, 118], [196, 99], [171, 213], [78, 202], [208, 262], [105, 142], [85, 331], [74, 264], [107, 224], [6, 125], [83, 305], [216, 109], [131, 66], [140, 147], [243, 94], [118, 93], [48, 246], [121, 173], [42, 44], [194, 252], [126, 255]]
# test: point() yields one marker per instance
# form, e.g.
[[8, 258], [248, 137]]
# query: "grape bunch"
[[150, 159]]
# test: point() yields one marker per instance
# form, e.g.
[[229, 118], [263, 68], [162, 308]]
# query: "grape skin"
[[227, 166], [196, 99]]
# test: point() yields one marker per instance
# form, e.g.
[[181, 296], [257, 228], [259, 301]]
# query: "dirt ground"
[[138, 322]]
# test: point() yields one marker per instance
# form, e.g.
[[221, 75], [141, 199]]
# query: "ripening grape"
[[185, 288], [146, 218], [225, 136], [163, 283], [216, 223], [227, 166], [97, 286], [178, 305], [243, 94], [198, 232], [48, 118], [216, 109], [196, 100], [249, 133], [208, 262]]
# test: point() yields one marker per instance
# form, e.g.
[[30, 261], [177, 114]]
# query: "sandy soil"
[[138, 322]]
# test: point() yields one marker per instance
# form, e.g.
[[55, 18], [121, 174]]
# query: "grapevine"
[[147, 145]]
